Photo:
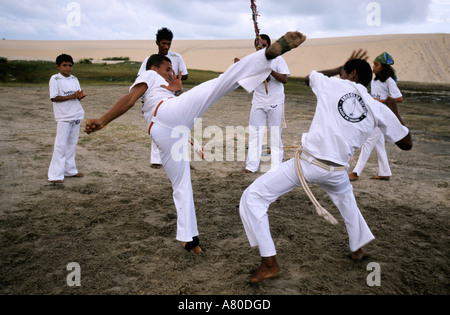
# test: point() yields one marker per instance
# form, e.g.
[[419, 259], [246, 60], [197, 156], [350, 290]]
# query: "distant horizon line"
[[229, 39]]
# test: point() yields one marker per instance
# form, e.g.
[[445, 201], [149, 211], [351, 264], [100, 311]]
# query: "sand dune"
[[418, 57]]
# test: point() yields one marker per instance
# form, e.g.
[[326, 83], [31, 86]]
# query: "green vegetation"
[[86, 61], [39, 73], [117, 59]]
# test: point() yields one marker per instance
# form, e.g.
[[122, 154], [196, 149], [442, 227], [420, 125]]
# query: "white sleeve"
[[53, 87], [317, 81], [78, 84], [147, 77], [389, 124], [182, 65], [281, 66], [142, 69], [394, 91]]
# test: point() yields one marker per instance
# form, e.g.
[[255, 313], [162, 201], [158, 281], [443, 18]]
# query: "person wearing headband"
[[383, 87]]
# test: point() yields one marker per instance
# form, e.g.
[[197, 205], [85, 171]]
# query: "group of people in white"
[[347, 118]]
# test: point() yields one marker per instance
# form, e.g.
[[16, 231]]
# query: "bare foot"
[[77, 175], [359, 254], [380, 177], [196, 249], [246, 171], [353, 176], [289, 41], [268, 269]]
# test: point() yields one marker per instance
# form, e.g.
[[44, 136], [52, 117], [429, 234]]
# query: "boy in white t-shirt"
[[345, 117], [267, 106], [384, 86], [65, 93], [164, 38]]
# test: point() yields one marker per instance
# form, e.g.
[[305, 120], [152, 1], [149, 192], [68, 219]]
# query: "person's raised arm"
[[121, 107], [406, 142], [280, 77], [175, 84], [360, 54]]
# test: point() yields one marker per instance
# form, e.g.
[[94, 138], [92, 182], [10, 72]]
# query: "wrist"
[[177, 93]]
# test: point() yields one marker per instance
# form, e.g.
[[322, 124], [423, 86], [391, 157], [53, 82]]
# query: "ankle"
[[269, 262]]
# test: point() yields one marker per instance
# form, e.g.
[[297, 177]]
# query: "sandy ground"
[[418, 57], [118, 222]]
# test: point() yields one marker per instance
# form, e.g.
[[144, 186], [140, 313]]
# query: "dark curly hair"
[[386, 73], [362, 68], [64, 58], [265, 37], [156, 60], [164, 33]]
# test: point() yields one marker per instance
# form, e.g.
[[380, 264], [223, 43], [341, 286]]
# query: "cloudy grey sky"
[[217, 19]]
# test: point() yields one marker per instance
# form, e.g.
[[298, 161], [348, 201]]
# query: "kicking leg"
[[249, 72]]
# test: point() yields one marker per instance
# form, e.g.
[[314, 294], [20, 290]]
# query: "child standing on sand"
[[65, 93], [384, 86]]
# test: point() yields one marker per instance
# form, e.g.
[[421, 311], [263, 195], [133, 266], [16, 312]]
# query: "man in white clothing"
[[164, 38], [267, 106], [345, 117], [171, 118]]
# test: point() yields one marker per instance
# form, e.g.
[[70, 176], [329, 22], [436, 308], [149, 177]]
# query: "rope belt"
[[307, 157]]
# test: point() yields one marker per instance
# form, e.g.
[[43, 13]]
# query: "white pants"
[[375, 140], [176, 117], [63, 159], [273, 114], [257, 198], [155, 154]]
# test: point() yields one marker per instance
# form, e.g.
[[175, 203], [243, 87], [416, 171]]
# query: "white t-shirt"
[[345, 117], [154, 94], [381, 90], [275, 88], [177, 64], [60, 85]]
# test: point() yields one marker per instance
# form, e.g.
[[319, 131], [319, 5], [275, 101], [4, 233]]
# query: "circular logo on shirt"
[[352, 108]]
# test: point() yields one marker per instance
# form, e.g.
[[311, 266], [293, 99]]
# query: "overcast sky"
[[217, 19]]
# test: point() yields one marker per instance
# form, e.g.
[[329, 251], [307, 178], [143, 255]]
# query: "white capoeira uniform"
[[67, 115], [345, 117], [175, 117], [267, 107], [177, 66], [380, 91]]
